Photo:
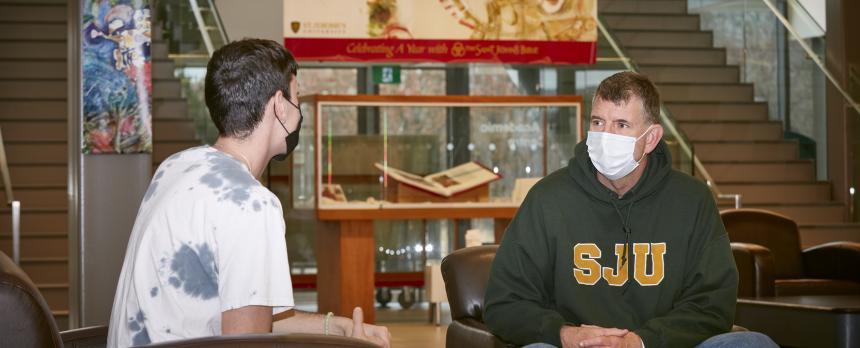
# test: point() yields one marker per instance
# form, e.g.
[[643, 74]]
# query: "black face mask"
[[292, 139]]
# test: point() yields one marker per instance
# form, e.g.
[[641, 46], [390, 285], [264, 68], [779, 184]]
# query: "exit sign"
[[386, 74]]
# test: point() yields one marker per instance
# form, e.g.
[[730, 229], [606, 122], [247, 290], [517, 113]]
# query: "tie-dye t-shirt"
[[208, 238]]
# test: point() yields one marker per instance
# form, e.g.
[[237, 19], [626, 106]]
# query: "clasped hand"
[[595, 336]]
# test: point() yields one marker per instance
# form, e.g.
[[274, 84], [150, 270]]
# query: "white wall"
[[810, 20], [262, 19], [817, 9]]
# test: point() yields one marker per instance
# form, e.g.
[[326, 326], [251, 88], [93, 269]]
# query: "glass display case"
[[370, 154]]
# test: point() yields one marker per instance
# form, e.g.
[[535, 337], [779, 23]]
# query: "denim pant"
[[741, 339]]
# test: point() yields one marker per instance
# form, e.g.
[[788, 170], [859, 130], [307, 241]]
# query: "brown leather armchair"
[[466, 272], [766, 246], [26, 321]]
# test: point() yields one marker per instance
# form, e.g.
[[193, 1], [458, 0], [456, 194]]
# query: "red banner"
[[442, 51]]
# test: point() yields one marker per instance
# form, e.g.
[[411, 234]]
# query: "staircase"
[[742, 150], [33, 117]]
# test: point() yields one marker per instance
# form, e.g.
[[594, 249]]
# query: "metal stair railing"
[[10, 200], [208, 11]]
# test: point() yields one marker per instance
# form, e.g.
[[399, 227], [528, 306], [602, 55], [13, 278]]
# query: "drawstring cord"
[[625, 228]]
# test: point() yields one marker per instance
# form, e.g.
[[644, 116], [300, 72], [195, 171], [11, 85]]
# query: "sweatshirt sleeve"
[[518, 306], [706, 305]]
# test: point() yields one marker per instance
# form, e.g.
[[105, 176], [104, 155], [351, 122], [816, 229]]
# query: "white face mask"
[[612, 154]]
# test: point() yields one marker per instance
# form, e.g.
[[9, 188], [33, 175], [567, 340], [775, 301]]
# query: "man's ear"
[[278, 102], [653, 138]]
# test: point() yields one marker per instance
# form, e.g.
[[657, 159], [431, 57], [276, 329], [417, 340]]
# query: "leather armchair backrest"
[[771, 230], [466, 272], [26, 320]]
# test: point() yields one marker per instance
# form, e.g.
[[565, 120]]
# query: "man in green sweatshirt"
[[618, 249]]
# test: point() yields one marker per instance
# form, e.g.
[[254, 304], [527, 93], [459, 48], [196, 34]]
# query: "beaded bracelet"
[[325, 322]]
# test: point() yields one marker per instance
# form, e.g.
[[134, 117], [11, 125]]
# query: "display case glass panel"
[[390, 152]]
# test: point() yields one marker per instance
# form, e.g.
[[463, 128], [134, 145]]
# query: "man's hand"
[[630, 340], [574, 336], [378, 335]]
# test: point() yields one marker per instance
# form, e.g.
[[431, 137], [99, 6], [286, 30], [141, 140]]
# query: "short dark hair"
[[241, 77], [620, 87]]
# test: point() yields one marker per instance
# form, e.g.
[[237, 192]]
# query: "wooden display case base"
[[345, 267]]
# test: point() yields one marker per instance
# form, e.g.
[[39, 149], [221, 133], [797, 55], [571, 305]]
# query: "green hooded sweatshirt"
[[558, 261]]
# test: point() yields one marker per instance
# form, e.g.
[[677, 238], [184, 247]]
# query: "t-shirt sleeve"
[[253, 268]]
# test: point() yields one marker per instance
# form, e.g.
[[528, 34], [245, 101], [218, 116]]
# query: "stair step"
[[683, 22], [635, 6], [33, 31], [173, 130], [732, 131], [163, 149], [25, 68], [803, 214], [36, 130], [707, 56], [691, 74], [52, 49], [753, 151], [784, 171], [175, 108], [38, 175], [38, 220], [163, 69], [33, 89], [32, 13], [812, 235], [57, 296], [55, 109], [779, 193], [34, 2], [159, 49], [50, 197], [166, 88], [710, 111], [38, 152], [56, 69], [684, 92], [38, 246], [56, 88], [46, 269], [674, 39]]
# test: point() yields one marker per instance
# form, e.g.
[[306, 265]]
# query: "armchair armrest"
[[756, 270], [834, 260], [267, 340], [93, 336], [468, 332]]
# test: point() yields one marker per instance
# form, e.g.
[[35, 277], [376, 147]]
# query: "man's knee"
[[746, 339]]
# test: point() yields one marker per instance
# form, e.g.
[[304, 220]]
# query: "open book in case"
[[389, 152]]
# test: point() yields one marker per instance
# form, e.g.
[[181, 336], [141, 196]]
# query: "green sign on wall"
[[386, 74]]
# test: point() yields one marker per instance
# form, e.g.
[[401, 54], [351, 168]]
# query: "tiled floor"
[[409, 327]]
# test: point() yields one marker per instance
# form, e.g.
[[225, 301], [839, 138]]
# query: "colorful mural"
[[117, 84]]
